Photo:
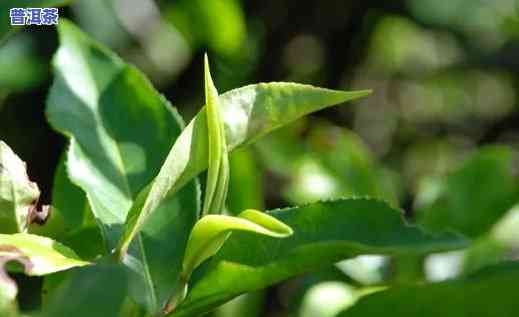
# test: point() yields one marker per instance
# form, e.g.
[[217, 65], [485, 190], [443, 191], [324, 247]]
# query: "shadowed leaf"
[[488, 293], [474, 196], [98, 290]]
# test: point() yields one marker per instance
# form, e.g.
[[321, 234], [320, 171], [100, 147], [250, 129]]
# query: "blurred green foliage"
[[473, 197], [486, 293]]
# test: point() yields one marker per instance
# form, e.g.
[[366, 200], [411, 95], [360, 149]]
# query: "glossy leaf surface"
[[218, 163], [245, 170], [324, 233], [210, 233], [120, 131], [248, 113]]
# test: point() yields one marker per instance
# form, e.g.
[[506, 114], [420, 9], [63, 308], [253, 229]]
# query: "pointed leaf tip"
[[365, 92], [277, 227], [210, 233], [206, 63], [248, 113], [218, 161], [208, 80]]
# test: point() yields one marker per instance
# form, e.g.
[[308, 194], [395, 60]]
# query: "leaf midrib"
[[147, 274], [114, 146]]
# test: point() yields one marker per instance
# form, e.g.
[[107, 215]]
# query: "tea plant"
[[129, 234]]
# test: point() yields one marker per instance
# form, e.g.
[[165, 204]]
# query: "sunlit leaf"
[[218, 162], [210, 233], [120, 131], [44, 255], [18, 195], [324, 233], [248, 113]]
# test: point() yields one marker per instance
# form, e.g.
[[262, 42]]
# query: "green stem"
[[178, 296]]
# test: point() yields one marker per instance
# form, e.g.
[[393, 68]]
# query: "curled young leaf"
[[218, 163], [18, 194], [210, 233]]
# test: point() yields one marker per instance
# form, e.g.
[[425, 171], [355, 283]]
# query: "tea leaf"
[[245, 182], [120, 132], [110, 112], [324, 233], [18, 194], [491, 292], [69, 201], [157, 252], [210, 233], [98, 290], [218, 165], [248, 113], [44, 255], [72, 221]]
